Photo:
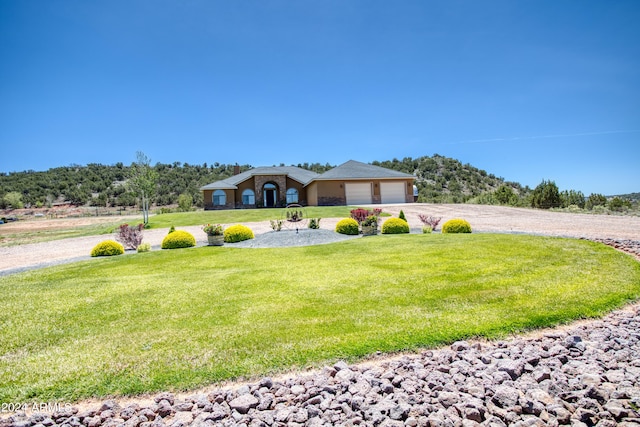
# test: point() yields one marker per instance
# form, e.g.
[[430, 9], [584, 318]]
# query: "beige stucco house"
[[351, 183]]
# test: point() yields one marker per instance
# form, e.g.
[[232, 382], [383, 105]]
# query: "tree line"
[[439, 179]]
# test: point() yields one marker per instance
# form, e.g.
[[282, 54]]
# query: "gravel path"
[[482, 218]]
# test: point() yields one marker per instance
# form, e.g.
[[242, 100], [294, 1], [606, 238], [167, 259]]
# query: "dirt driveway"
[[482, 218]]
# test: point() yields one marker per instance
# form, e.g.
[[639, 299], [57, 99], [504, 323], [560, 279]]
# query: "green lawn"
[[180, 219], [242, 215], [175, 320]]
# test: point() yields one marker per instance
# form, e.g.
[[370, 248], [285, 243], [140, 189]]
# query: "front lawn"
[[242, 215], [179, 319]]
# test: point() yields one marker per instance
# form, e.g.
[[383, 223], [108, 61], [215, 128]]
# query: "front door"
[[270, 195]]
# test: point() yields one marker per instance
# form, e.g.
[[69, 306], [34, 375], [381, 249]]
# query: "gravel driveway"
[[498, 219]]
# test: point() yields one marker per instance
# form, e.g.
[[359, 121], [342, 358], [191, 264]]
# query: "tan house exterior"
[[352, 183]]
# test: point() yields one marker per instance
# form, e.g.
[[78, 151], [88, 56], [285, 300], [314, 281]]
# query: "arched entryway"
[[270, 194]]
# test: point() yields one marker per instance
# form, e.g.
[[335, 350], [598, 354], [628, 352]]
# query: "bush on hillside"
[[347, 226], [395, 226], [237, 233], [456, 225], [178, 239], [107, 248]]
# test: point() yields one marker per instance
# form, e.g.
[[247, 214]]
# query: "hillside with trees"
[[439, 179]]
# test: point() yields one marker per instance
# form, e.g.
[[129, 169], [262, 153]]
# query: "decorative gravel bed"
[[285, 238]]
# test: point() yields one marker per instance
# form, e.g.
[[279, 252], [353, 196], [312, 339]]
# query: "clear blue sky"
[[527, 90]]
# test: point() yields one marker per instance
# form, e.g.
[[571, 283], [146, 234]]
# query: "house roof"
[[358, 170], [303, 176], [347, 170]]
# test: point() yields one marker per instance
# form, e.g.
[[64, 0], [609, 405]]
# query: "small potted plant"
[[215, 234], [370, 226]]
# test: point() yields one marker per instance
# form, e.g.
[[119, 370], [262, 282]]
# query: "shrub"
[[172, 229], [314, 223], [402, 217], [107, 248], [426, 229], [237, 233], [130, 235], [276, 224], [430, 221], [361, 214], [395, 226], [178, 239], [144, 247], [347, 226], [213, 229], [546, 195], [185, 202], [371, 221], [456, 225]]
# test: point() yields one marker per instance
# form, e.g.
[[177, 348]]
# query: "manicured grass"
[[167, 220], [46, 235], [179, 319], [242, 215]]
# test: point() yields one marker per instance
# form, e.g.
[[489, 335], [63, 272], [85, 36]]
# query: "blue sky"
[[527, 90]]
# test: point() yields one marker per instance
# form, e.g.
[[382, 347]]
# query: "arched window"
[[248, 197], [219, 198], [292, 196]]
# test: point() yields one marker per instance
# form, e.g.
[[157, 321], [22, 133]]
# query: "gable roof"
[[303, 176], [358, 170]]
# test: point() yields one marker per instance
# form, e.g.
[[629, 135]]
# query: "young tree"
[[546, 196], [185, 202], [505, 195], [142, 182], [572, 197], [594, 200], [13, 199]]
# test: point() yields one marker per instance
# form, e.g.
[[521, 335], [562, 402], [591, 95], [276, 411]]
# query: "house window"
[[292, 196], [248, 197], [219, 198]]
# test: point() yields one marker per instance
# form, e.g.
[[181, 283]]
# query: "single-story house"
[[351, 183]]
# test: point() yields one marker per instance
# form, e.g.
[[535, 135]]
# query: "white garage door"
[[392, 192], [358, 194]]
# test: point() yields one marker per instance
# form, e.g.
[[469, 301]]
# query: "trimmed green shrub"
[[314, 223], [347, 226], [426, 229], [178, 239], [395, 226], [402, 217], [144, 247], [107, 248], [237, 233], [456, 225], [172, 229]]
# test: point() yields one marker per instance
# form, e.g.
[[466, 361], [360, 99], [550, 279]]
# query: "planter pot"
[[215, 240], [369, 230]]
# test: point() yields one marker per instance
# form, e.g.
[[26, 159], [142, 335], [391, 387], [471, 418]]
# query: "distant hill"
[[438, 178], [445, 180], [633, 197]]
